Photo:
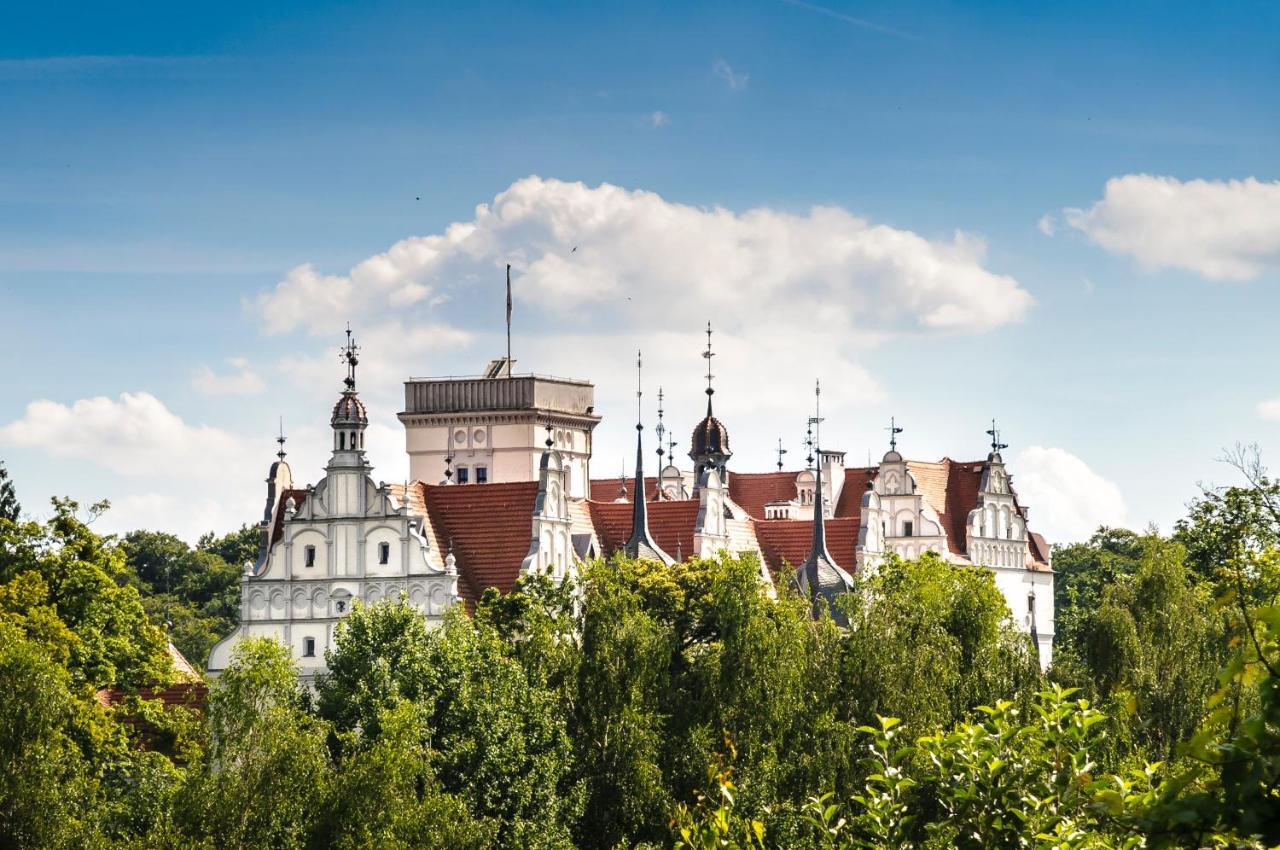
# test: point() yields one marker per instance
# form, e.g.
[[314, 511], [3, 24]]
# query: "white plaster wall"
[[298, 554], [376, 536]]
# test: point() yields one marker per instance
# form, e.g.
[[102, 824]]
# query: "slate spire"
[[641, 544]]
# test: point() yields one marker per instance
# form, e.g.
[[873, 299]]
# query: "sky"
[[1062, 216]]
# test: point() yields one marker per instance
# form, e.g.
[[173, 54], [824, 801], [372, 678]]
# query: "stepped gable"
[[489, 527], [786, 543], [606, 489], [671, 525]]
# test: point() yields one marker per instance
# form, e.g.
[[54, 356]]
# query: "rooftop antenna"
[[280, 440], [994, 433], [781, 452], [508, 320], [348, 356], [894, 430]]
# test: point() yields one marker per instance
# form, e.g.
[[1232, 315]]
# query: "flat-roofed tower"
[[492, 427]]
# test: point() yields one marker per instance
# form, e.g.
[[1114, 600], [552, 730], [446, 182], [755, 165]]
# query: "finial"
[[622, 482], [280, 440], [639, 394], [660, 430], [894, 431], [348, 355], [671, 449], [781, 452], [549, 442], [708, 354], [994, 433], [448, 468], [808, 441], [815, 421]]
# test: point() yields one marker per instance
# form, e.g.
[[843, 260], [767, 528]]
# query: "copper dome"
[[349, 411]]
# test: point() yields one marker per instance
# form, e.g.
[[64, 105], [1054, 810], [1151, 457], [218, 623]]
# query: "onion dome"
[[710, 438], [349, 411]]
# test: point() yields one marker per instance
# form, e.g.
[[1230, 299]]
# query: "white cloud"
[[734, 79], [1047, 224], [1269, 410], [175, 476], [1068, 499], [1222, 230], [658, 118], [242, 381], [134, 435]]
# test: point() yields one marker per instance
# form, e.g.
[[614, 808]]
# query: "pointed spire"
[[641, 544], [894, 431], [820, 575]]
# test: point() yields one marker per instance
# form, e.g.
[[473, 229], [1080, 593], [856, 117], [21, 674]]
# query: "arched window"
[[342, 441], [309, 647], [384, 553]]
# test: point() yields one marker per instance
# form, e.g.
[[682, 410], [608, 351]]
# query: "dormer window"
[[384, 553], [309, 647], [309, 556]]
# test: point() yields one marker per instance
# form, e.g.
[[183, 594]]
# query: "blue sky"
[[162, 175]]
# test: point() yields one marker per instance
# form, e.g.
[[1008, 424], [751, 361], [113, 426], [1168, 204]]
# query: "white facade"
[[342, 540]]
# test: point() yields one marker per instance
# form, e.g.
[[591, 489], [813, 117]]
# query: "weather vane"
[[815, 421], [894, 431], [994, 433], [781, 452], [348, 356], [708, 354], [280, 440], [661, 430]]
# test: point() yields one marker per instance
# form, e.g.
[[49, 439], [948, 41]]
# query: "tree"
[[84, 584], [47, 791], [9, 507], [266, 781]]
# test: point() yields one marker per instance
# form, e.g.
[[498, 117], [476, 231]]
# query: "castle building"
[[527, 505]]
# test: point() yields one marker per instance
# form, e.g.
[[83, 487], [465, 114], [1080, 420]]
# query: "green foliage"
[[267, 777], [196, 592], [68, 572], [9, 508]]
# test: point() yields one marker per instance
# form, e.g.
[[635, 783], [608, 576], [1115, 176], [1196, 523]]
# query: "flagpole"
[[508, 320]]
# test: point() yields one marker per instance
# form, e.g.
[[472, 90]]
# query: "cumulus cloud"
[[133, 435], [733, 79], [1047, 224], [601, 271], [1269, 410], [242, 380], [1219, 229], [1068, 499]]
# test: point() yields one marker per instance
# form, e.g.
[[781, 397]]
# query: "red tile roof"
[[277, 527], [786, 542], [671, 525], [753, 490], [489, 527], [607, 489]]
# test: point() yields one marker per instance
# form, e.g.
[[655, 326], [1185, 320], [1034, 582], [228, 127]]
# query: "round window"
[[478, 435], [460, 437]]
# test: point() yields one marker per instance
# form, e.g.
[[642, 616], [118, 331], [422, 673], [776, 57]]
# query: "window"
[[463, 477], [342, 441], [308, 647], [341, 606], [384, 553], [482, 475], [907, 528], [310, 556]]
